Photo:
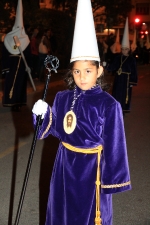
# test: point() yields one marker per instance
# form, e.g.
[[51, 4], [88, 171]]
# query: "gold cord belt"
[[120, 72], [98, 150]]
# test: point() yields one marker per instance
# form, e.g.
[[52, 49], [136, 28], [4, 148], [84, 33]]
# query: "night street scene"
[[75, 112]]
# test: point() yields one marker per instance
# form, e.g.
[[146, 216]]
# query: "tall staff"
[[17, 42], [54, 63]]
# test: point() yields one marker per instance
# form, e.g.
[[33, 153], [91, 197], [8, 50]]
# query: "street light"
[[137, 20], [137, 24], [143, 34]]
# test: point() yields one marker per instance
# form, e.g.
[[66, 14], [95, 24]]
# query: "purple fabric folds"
[[72, 187]]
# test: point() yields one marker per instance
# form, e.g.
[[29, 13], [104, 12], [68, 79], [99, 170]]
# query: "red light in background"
[[137, 20], [146, 32]]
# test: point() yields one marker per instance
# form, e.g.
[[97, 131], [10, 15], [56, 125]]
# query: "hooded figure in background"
[[135, 49], [146, 51], [134, 45], [116, 47], [13, 67], [124, 66]]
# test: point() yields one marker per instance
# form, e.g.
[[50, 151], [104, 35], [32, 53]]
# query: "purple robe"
[[72, 188]]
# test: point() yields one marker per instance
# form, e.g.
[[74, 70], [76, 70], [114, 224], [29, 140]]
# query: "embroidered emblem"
[[69, 122]]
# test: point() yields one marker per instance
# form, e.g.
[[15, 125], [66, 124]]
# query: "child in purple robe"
[[91, 162]]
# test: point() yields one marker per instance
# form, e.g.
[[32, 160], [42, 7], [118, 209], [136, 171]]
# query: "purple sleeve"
[[115, 175]]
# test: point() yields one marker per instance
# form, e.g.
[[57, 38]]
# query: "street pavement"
[[130, 208]]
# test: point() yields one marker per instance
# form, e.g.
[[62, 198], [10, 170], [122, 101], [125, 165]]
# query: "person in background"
[[13, 67], [105, 49], [83, 180], [100, 47], [124, 66], [44, 49], [28, 30], [35, 53], [110, 41], [146, 51], [52, 39]]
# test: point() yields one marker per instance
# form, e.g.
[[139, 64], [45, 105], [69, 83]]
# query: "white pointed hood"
[[84, 41], [17, 30], [116, 47], [147, 44], [134, 45], [125, 40]]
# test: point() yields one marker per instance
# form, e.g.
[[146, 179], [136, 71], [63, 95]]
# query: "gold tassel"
[[11, 93], [98, 220], [127, 97]]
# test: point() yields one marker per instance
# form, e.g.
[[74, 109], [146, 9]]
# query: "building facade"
[[139, 18], [140, 11]]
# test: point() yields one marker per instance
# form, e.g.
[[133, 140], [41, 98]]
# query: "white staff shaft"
[[26, 65], [27, 68]]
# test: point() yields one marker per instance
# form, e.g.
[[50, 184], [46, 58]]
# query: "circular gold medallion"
[[69, 122]]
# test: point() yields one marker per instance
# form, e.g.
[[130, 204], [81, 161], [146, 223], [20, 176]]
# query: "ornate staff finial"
[[51, 63]]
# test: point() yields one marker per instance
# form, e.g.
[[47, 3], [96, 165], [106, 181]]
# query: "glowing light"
[[137, 20]]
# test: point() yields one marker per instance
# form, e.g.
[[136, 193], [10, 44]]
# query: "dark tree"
[[8, 10], [6, 14], [115, 10]]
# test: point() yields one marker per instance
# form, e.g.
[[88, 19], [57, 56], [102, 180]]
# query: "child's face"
[[85, 74]]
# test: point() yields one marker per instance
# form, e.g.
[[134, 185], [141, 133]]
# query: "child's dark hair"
[[68, 78]]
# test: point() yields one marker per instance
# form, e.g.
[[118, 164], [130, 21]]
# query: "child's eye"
[[88, 71], [76, 71]]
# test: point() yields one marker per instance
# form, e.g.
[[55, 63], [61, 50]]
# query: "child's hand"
[[40, 108]]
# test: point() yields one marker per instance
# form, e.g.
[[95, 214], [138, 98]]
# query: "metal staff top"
[[53, 61]]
